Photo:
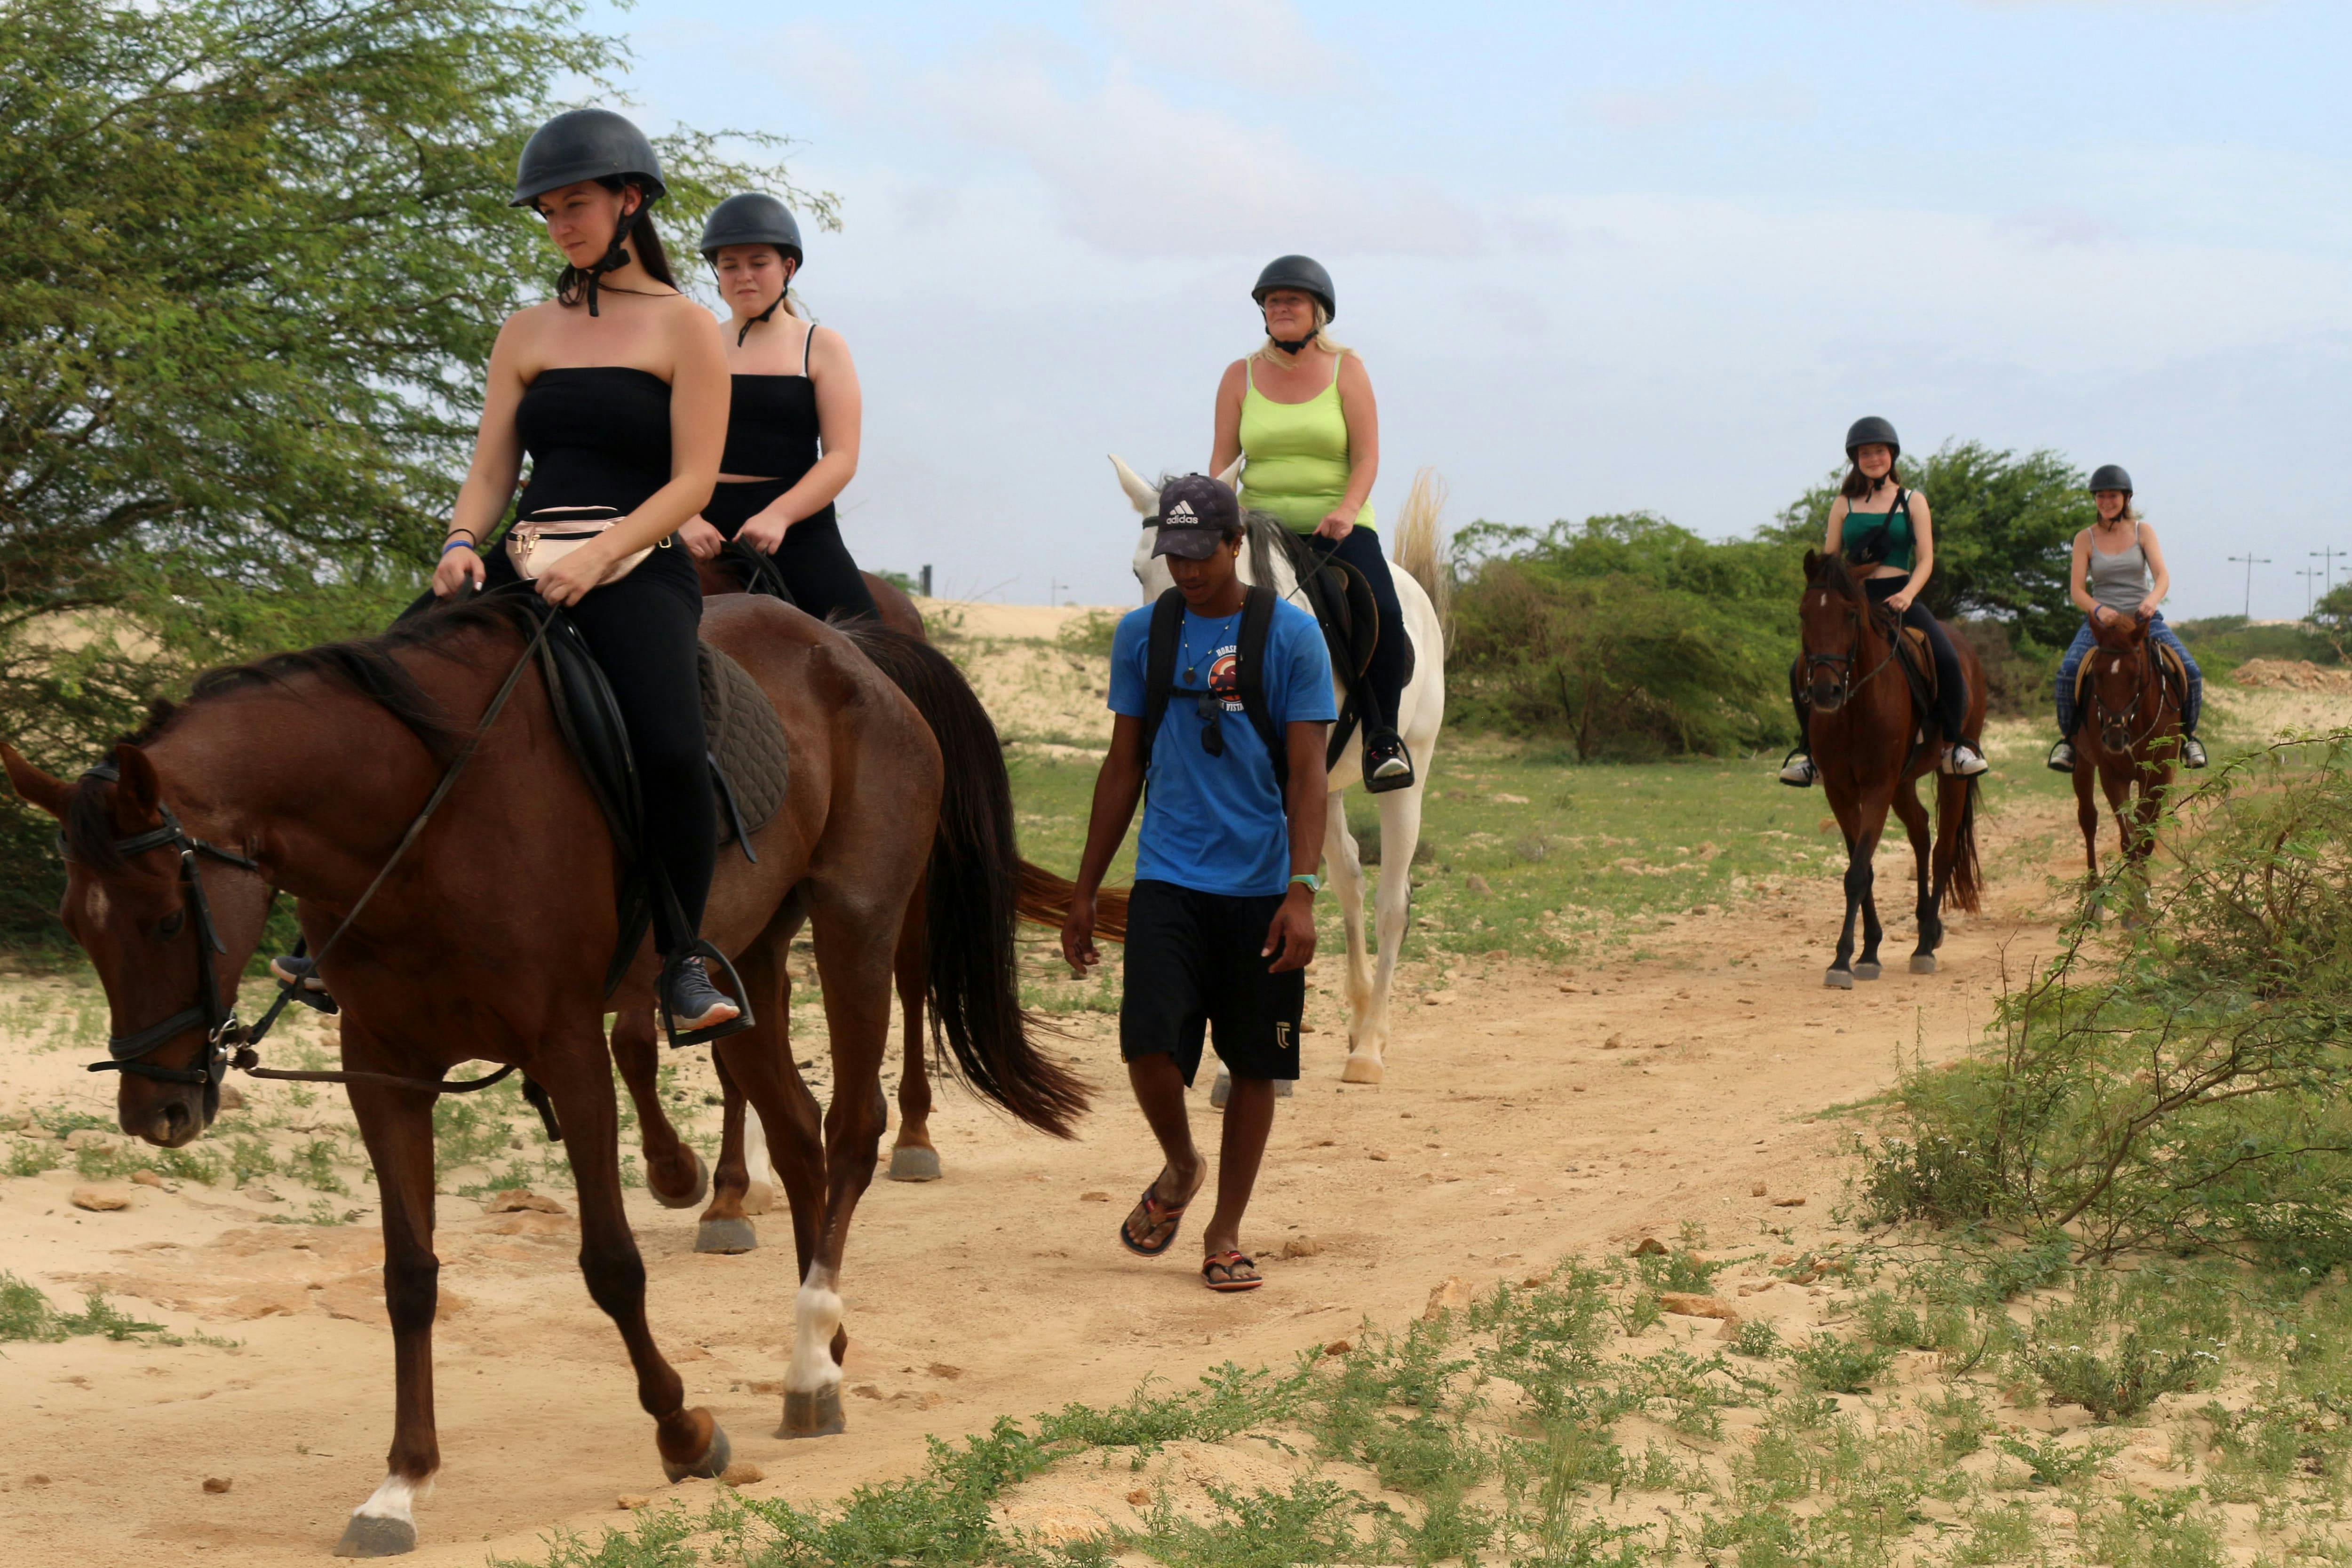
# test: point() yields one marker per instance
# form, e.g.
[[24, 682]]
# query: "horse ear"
[[1812, 563], [1146, 498], [138, 791], [1231, 478], [44, 790]]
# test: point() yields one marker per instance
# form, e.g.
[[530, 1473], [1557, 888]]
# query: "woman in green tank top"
[[1299, 411]]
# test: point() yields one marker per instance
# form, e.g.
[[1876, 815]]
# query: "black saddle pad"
[[750, 765]]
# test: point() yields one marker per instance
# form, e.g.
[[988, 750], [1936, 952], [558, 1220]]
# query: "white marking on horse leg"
[[396, 1498], [758, 1163], [1400, 827], [1341, 859], [816, 1317]]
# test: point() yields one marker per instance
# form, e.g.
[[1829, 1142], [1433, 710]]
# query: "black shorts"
[[1193, 963]]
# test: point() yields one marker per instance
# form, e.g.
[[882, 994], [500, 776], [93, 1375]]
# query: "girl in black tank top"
[[791, 434]]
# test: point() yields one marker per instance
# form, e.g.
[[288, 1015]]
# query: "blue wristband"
[[458, 544]]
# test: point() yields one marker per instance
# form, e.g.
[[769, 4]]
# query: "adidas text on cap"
[[1197, 514]]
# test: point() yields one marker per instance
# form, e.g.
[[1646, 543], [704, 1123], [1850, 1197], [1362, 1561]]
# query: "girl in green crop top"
[[1300, 412]]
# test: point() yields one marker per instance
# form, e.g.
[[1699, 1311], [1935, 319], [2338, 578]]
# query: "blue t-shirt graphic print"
[[1217, 825]]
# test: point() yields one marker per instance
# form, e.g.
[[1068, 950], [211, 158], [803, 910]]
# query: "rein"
[[2151, 673], [1846, 683], [227, 1041]]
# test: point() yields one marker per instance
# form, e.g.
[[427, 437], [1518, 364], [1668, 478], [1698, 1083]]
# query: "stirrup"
[[684, 979], [1963, 760], [2193, 752], [1387, 764], [300, 975], [2061, 758], [1798, 769]]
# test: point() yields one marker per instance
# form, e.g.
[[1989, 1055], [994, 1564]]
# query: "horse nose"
[[171, 1125]]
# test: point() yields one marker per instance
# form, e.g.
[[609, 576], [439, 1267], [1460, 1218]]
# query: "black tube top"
[[597, 435], [771, 428]]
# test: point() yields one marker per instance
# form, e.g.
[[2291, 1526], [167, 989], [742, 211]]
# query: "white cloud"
[[1256, 43]]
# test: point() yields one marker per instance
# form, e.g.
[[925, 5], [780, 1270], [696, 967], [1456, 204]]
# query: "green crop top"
[[1866, 530], [1297, 452]]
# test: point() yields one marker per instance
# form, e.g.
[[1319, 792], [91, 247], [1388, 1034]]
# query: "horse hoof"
[[1922, 964], [1865, 970], [1839, 979], [727, 1235], [372, 1535], [694, 1196], [713, 1463], [813, 1414], [1361, 1069], [913, 1162]]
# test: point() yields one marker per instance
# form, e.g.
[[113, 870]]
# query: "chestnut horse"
[[488, 939], [2130, 738], [1872, 741]]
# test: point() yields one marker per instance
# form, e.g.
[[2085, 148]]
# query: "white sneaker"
[[1962, 761], [2192, 754], [2062, 758], [1798, 771]]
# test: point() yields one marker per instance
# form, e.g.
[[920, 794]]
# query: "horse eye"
[[169, 926]]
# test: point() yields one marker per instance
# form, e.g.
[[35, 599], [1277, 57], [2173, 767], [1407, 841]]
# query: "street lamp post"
[[2309, 574], [2326, 557], [2251, 561]]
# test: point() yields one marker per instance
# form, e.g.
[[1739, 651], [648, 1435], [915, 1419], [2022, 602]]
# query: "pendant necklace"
[[1189, 676]]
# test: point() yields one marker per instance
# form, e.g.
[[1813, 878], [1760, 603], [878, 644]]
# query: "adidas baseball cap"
[[1197, 514]]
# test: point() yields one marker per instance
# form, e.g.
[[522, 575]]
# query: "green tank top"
[[1297, 455], [1902, 548]]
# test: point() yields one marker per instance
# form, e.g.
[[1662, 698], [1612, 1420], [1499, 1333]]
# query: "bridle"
[[2150, 675], [227, 1041], [1843, 662]]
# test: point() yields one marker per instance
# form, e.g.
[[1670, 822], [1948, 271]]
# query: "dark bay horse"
[[2130, 738], [1872, 741], [489, 940]]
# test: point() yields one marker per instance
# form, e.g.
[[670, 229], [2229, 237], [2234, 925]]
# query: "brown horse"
[[1872, 741], [487, 940], [2130, 738]]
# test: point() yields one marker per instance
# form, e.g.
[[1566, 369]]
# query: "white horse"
[[1419, 714]]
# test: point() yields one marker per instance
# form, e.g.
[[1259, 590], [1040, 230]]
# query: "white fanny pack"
[[541, 540]]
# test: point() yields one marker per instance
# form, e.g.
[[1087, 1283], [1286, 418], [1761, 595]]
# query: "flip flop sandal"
[[1154, 1213], [1229, 1264]]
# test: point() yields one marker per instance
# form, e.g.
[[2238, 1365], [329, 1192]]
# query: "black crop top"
[[597, 435], [772, 427]]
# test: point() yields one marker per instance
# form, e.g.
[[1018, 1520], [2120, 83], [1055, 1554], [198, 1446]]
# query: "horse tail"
[[1956, 801], [1045, 898], [972, 897], [1420, 544]]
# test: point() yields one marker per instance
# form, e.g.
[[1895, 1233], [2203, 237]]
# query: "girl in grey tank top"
[[2119, 580]]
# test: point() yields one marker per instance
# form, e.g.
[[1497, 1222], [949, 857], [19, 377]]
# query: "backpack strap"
[[1159, 664], [1249, 677]]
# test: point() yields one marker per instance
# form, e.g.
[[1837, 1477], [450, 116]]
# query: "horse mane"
[[1825, 570], [2119, 636], [364, 665]]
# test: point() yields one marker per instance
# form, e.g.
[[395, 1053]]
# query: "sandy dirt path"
[[1530, 1113]]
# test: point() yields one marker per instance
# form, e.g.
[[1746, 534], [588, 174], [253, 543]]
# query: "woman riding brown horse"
[[2131, 737], [1871, 739]]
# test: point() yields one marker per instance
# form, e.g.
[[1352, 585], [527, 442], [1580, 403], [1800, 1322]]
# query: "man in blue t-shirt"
[[1221, 924]]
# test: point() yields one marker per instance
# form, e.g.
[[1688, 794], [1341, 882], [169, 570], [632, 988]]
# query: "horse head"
[[1271, 557], [167, 933], [1834, 619], [2123, 675]]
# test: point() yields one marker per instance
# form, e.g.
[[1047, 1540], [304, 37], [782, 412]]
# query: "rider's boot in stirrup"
[[1964, 761], [1797, 769], [693, 1003], [303, 974], [2192, 753], [1387, 764], [2062, 756]]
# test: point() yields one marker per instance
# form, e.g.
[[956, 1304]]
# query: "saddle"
[[1342, 603], [749, 763], [2168, 663]]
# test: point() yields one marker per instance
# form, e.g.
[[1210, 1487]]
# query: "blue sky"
[[1596, 257]]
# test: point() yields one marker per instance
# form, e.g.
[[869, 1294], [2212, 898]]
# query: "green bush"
[[1841, 1366]]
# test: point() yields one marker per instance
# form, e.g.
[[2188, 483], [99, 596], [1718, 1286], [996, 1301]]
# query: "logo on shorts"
[[1282, 1037]]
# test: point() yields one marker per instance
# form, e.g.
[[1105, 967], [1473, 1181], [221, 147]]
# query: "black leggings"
[[1951, 688], [1384, 680], [814, 563], [643, 631]]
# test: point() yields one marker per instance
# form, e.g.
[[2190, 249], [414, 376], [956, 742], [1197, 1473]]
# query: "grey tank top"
[[2119, 580]]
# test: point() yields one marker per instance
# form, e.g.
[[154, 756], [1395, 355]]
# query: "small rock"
[[1784, 1257], [1650, 1247], [1339, 1347], [1614, 1043], [36, 1479], [147, 1178], [260, 1194], [1575, 1088], [1730, 1330], [1093, 1197], [514, 1200], [1301, 1246], [231, 1098], [1454, 1296], [216, 1484], [690, 1353], [1757, 1191], [1478, 888], [743, 1473], [941, 1369], [866, 1391], [1376, 1153], [1140, 1497], [82, 1137], [1684, 1303], [98, 1200], [1787, 1202], [631, 1501]]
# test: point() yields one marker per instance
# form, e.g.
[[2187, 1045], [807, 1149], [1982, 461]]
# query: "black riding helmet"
[[1871, 430], [754, 219], [2111, 477], [1303, 273], [590, 145]]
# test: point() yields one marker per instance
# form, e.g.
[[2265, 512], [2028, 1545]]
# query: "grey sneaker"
[[1964, 761], [1798, 771], [2062, 758], [2193, 753]]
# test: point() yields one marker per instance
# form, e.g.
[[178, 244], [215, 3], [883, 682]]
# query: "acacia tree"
[[257, 253]]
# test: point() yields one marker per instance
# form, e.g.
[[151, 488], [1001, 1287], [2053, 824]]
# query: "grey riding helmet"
[[2111, 477], [1871, 430], [586, 144], [1303, 273], [752, 218]]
